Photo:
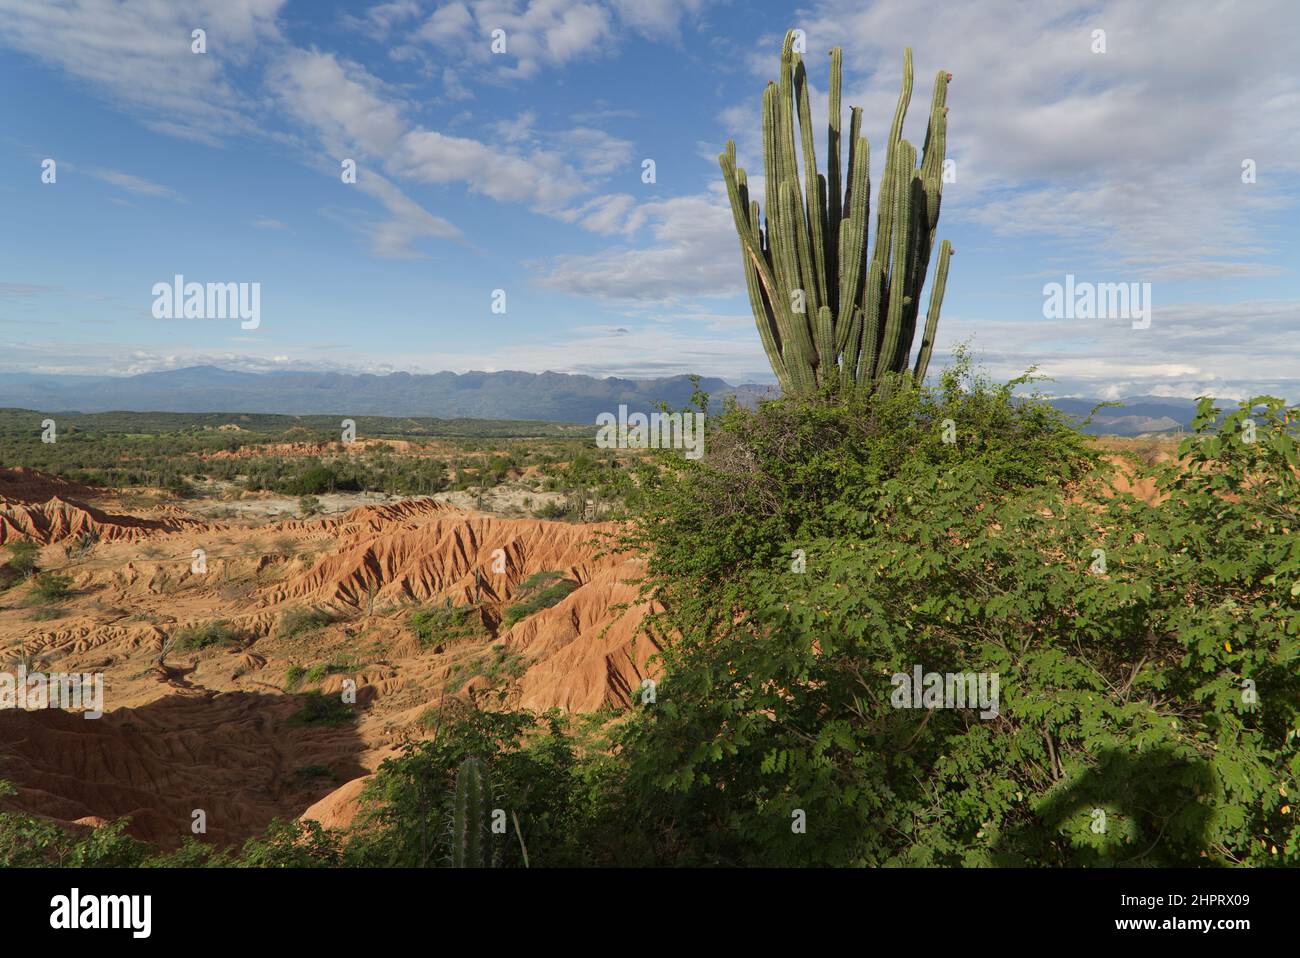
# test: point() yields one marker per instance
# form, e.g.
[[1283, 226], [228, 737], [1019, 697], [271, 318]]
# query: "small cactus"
[[469, 817]]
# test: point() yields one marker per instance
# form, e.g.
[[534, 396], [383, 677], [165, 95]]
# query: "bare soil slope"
[[295, 607]]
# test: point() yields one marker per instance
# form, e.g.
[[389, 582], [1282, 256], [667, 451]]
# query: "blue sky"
[[522, 171]]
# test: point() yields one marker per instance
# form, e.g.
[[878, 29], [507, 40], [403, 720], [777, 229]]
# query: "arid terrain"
[[211, 662]]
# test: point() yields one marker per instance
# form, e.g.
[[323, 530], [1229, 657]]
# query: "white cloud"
[[606, 215], [1228, 349], [342, 102], [549, 33], [450, 23], [395, 238], [138, 54], [693, 252], [661, 19], [136, 184], [1134, 154]]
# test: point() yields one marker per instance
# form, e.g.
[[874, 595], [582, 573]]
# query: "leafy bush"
[[49, 587], [22, 557], [320, 709], [540, 579], [1158, 696], [292, 844], [537, 776], [208, 634], [556, 510], [30, 842], [179, 487], [322, 669], [450, 622], [295, 622], [539, 591], [311, 482]]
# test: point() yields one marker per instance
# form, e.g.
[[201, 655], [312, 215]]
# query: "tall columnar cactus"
[[826, 311], [469, 816]]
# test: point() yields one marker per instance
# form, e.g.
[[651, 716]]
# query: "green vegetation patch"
[[49, 588], [209, 634], [319, 709], [432, 626], [539, 591], [301, 621]]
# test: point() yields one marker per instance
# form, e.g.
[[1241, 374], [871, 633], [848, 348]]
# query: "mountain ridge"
[[503, 394]]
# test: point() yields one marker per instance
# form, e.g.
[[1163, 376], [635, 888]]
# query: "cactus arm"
[[855, 231], [918, 259], [794, 245], [852, 352], [855, 134], [904, 98], [816, 225], [785, 115], [870, 322], [936, 132], [824, 327], [834, 198], [772, 173], [875, 294], [747, 228], [765, 320], [901, 197], [928, 198], [932, 317]]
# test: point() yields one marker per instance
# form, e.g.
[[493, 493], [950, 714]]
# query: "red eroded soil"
[[214, 728]]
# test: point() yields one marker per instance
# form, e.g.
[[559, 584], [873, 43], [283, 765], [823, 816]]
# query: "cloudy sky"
[[522, 171]]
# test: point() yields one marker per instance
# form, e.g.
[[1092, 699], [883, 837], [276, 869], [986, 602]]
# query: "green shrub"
[[46, 613], [22, 557], [320, 709], [292, 844], [432, 626], [311, 482], [1127, 696], [179, 487], [30, 842], [539, 591], [535, 773], [314, 771], [570, 508], [540, 579], [49, 587], [322, 669], [295, 622], [203, 636]]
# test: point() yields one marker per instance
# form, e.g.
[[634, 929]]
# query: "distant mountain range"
[[553, 397], [1137, 416]]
